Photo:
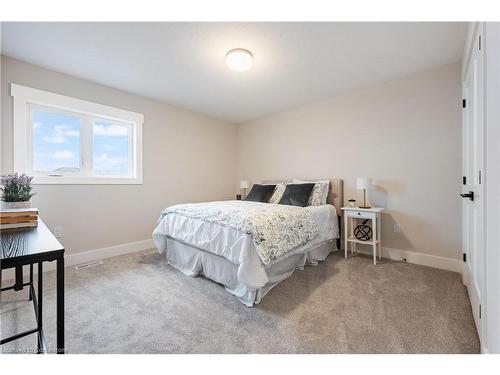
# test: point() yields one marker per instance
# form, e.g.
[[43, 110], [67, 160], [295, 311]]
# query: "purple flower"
[[16, 188]]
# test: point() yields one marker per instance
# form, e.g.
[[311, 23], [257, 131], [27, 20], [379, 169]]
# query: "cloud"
[[60, 128], [59, 134], [63, 155], [72, 133], [55, 139], [104, 164], [37, 126], [110, 130], [66, 130]]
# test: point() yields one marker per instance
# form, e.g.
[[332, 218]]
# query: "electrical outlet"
[[397, 228], [57, 232]]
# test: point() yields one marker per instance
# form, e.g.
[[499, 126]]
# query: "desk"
[[29, 246]]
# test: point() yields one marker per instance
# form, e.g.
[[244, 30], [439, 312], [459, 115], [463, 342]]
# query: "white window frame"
[[27, 98]]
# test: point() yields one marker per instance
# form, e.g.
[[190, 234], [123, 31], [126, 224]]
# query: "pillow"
[[319, 193], [260, 193], [297, 194], [278, 193]]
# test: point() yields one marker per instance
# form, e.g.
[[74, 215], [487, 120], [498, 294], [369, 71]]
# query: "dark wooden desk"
[[28, 246]]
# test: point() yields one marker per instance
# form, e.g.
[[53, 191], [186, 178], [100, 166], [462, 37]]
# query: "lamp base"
[[364, 200]]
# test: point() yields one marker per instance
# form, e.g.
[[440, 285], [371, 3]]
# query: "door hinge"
[[479, 177], [464, 103], [464, 257], [480, 42], [464, 180], [480, 311]]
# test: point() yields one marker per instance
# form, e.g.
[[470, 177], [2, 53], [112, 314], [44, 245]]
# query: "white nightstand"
[[351, 215]]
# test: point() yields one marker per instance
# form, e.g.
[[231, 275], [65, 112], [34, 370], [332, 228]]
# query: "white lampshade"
[[363, 183], [244, 184]]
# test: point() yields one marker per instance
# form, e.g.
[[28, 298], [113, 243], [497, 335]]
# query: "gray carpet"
[[138, 304]]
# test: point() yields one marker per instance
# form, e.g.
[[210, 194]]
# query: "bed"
[[248, 247]]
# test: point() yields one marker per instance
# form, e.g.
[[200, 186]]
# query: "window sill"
[[86, 181]]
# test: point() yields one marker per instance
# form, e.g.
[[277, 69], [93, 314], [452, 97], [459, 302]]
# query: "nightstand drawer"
[[360, 214]]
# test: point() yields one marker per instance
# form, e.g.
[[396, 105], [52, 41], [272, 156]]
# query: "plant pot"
[[14, 205]]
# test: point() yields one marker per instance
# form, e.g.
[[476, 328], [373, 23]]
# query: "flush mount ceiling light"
[[239, 59]]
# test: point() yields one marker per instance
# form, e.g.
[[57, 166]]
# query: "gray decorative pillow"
[[297, 194], [319, 193], [278, 193]]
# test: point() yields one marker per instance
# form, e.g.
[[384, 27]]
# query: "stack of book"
[[18, 218]]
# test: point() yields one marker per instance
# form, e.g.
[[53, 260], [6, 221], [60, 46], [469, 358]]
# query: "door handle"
[[469, 195]]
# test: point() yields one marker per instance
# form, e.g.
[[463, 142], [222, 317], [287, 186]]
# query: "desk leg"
[[19, 278], [39, 313], [375, 238], [30, 297], [60, 305]]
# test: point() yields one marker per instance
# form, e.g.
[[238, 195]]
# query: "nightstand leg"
[[346, 221], [379, 237], [353, 244], [375, 235]]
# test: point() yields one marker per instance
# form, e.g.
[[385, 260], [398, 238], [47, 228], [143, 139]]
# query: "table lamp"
[[363, 183]]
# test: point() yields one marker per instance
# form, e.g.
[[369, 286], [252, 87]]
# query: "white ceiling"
[[183, 63]]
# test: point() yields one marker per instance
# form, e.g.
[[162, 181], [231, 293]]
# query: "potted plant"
[[16, 191]]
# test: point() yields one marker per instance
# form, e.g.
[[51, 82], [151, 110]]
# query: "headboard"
[[335, 195]]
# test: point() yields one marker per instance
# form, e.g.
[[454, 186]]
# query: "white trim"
[[41, 97], [413, 257], [90, 256], [24, 96], [108, 252], [490, 342], [470, 39]]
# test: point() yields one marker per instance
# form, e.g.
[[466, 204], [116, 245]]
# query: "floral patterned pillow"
[[319, 193], [278, 193]]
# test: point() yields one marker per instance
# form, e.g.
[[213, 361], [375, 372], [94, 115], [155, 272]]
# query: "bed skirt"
[[194, 262]]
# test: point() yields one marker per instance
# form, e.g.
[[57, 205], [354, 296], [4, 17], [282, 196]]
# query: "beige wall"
[[405, 134], [187, 157]]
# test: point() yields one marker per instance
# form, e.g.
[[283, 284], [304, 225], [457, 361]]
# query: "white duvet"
[[274, 228], [238, 245]]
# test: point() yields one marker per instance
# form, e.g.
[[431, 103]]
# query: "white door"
[[472, 187]]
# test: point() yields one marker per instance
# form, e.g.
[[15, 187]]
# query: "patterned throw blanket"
[[275, 229]]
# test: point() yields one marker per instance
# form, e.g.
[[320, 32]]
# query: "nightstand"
[[351, 217]]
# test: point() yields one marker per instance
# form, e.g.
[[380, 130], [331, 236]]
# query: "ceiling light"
[[239, 59]]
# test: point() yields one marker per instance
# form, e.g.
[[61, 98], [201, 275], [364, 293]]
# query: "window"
[[59, 139], [55, 141], [111, 143]]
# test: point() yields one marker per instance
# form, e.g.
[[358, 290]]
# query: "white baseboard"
[[465, 274], [413, 257], [107, 252], [90, 256]]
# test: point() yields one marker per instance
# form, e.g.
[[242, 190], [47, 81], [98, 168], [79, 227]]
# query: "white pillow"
[[319, 193]]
